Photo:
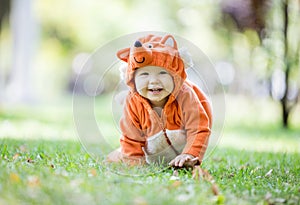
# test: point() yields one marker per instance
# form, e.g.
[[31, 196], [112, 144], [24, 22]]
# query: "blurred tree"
[[288, 101], [4, 10], [247, 14], [23, 27], [253, 14]]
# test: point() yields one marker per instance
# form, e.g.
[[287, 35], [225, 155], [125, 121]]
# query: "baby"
[[166, 118]]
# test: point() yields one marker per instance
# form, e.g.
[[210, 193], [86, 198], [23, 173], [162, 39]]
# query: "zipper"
[[169, 142], [162, 123]]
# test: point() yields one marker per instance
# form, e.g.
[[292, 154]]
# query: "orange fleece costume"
[[185, 121]]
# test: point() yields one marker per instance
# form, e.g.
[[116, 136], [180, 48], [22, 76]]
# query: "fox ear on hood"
[[169, 40], [123, 54]]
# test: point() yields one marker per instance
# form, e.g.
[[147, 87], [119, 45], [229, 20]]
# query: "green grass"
[[47, 172], [43, 162]]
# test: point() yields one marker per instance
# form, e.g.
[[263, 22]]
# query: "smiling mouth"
[[155, 90]]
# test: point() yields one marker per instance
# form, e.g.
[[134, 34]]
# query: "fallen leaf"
[[176, 184], [140, 201], [92, 172], [33, 181], [199, 174], [29, 160], [16, 156], [14, 177], [215, 189], [175, 173]]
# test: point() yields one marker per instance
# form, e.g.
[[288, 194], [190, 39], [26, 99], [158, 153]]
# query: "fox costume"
[[184, 125]]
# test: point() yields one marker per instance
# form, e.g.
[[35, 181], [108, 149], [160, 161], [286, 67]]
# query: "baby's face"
[[154, 83]]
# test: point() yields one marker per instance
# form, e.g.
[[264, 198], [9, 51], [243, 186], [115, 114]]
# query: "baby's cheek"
[[170, 87], [139, 85]]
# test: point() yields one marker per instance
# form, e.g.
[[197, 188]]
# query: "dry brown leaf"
[[140, 201], [199, 174], [215, 189], [207, 176], [33, 181], [16, 156], [92, 172], [202, 174], [175, 173], [176, 184]]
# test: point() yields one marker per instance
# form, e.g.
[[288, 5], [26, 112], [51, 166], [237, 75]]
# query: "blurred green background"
[[254, 45]]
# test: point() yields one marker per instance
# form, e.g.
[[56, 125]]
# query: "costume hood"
[[153, 50]]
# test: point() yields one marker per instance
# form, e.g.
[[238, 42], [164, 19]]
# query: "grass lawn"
[[43, 162]]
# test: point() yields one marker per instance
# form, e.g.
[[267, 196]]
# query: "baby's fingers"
[[176, 162], [172, 163], [191, 162], [181, 162]]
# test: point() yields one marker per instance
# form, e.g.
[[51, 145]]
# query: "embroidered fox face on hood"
[[153, 50]]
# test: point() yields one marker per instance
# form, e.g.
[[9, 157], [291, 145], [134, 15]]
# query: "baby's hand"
[[186, 160]]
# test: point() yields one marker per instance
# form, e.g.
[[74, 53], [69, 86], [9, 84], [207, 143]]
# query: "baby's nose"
[[153, 79]]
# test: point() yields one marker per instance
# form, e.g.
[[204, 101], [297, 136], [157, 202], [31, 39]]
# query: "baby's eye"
[[163, 72], [144, 74]]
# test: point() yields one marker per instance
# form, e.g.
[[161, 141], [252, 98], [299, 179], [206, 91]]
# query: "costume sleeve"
[[197, 124], [132, 139]]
